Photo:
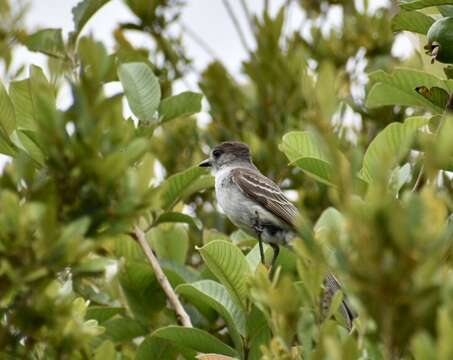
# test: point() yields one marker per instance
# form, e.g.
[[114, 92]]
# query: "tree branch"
[[236, 24], [183, 317]]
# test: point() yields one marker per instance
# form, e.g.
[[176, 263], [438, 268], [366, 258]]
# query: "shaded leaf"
[[142, 89], [82, 12], [103, 313], [156, 348], [170, 243], [181, 105], [176, 217], [436, 95], [194, 339], [23, 106], [123, 329], [229, 265]]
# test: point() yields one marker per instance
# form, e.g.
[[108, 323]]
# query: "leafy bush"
[[81, 206]]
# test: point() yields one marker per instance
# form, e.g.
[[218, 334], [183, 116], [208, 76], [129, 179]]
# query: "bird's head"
[[230, 153]]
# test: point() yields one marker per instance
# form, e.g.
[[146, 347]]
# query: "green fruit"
[[440, 40]]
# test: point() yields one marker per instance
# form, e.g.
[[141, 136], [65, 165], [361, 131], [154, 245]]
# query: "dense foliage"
[[360, 139]]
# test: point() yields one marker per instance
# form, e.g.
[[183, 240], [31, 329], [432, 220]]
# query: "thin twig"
[[162, 279], [236, 24], [248, 15], [199, 41], [419, 179]]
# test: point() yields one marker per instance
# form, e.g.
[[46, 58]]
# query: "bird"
[[257, 205]]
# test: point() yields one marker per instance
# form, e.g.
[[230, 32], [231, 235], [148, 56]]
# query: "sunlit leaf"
[[7, 115], [303, 151], [399, 88], [181, 105], [142, 89], [229, 265], [216, 296], [389, 146], [176, 217], [194, 339], [420, 4]]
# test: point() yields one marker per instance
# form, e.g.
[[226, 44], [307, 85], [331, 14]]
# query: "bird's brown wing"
[[265, 192]]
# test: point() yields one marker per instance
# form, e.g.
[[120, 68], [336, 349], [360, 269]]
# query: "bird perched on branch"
[[257, 205]]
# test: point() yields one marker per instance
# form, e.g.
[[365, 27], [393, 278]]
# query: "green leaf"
[[23, 142], [399, 88], [254, 258], [82, 12], [446, 10], [216, 296], [175, 187], [229, 265], [170, 243], [435, 95], [181, 105], [389, 146], [176, 217], [106, 351], [420, 4], [194, 339], [7, 115], [20, 96], [47, 41], [123, 329], [258, 332], [142, 89], [303, 150], [414, 21], [156, 348], [179, 274], [103, 313]]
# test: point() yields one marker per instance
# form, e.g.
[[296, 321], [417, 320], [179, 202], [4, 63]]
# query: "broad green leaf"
[[254, 258], [229, 265], [142, 89], [399, 88], [179, 274], [127, 247], [20, 96], [47, 41], [446, 10], [414, 21], [103, 313], [6, 147], [303, 150], [216, 296], [123, 329], [7, 115], [156, 348], [23, 142], [181, 105], [82, 12], [330, 221], [174, 188], [176, 217], [435, 95], [92, 266], [194, 339], [96, 62], [389, 146], [170, 242], [420, 4], [258, 332], [106, 351]]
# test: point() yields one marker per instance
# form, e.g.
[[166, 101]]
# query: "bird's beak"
[[205, 163]]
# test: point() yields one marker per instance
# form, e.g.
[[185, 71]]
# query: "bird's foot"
[[258, 228]]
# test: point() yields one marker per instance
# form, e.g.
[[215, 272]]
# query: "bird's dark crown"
[[236, 148]]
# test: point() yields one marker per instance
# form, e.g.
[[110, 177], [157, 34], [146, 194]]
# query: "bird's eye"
[[216, 153]]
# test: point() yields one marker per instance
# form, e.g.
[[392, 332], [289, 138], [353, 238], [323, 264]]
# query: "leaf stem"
[[181, 313]]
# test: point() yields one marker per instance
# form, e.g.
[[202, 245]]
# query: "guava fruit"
[[440, 41]]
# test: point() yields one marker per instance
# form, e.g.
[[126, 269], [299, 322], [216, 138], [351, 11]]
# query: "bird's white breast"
[[238, 207]]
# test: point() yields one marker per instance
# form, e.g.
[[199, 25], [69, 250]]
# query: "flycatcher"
[[257, 205]]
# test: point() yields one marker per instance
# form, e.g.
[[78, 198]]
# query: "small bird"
[[255, 204]]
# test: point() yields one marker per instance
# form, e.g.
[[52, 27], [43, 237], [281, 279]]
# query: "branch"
[[183, 317], [236, 24]]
